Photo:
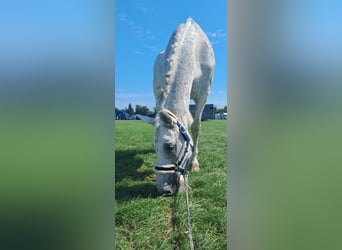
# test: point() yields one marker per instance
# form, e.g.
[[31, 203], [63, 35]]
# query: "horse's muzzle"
[[167, 183]]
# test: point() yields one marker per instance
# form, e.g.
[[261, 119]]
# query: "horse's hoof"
[[195, 167]]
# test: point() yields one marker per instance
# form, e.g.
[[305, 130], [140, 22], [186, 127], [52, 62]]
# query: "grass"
[[145, 220]]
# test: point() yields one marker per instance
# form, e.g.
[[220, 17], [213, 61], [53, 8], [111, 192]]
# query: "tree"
[[129, 110], [224, 110], [142, 110]]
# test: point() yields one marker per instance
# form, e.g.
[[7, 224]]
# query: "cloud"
[[145, 9], [153, 48], [139, 31], [138, 52], [216, 34]]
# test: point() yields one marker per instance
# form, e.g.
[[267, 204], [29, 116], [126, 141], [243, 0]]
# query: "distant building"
[[208, 111]]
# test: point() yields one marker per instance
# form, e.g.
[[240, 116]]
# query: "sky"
[[311, 32], [310, 36], [143, 29]]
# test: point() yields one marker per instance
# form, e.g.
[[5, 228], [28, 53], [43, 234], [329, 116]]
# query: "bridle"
[[182, 163]]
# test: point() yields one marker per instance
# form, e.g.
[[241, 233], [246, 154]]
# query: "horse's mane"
[[173, 49]]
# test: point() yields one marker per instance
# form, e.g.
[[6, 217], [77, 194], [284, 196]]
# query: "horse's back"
[[188, 58]]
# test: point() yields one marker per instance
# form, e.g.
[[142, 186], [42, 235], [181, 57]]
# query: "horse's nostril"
[[168, 192]]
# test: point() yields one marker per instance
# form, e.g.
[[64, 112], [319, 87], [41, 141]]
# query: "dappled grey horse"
[[182, 72]]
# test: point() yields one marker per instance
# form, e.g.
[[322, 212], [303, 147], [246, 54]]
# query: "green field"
[[145, 220]]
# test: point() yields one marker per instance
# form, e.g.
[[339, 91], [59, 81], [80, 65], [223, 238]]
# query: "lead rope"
[[188, 211], [180, 167]]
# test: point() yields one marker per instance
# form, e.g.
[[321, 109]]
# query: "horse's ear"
[[166, 118], [146, 119]]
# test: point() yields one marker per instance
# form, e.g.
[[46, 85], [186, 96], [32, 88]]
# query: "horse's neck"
[[178, 101], [182, 62]]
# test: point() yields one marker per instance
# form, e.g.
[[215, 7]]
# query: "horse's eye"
[[169, 146]]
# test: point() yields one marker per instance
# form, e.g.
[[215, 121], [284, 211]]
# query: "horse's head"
[[172, 144]]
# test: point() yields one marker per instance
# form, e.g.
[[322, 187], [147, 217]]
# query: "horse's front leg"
[[195, 130]]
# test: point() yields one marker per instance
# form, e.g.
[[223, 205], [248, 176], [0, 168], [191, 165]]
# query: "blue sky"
[[143, 29], [35, 33], [311, 31]]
